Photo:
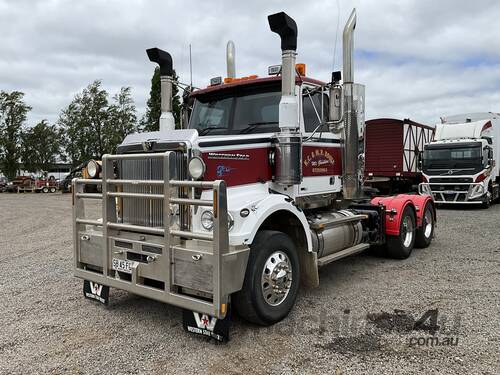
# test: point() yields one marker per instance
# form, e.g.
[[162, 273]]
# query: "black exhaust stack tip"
[[163, 59], [284, 25]]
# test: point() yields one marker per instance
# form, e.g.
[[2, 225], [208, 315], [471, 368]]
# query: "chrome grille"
[[148, 212]]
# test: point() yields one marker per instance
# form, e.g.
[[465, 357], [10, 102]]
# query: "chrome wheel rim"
[[428, 224], [407, 231], [276, 278]]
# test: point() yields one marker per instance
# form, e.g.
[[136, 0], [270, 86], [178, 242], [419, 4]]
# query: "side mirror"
[[420, 157]]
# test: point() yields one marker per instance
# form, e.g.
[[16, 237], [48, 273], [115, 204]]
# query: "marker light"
[[301, 69]]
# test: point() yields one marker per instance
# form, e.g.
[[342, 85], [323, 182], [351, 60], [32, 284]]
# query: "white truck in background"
[[460, 166]]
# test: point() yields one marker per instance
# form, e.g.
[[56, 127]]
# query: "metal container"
[[333, 237], [288, 158]]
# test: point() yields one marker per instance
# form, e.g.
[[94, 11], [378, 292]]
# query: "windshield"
[[251, 110], [453, 157]]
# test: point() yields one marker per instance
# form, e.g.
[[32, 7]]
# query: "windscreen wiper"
[[252, 126], [208, 129]]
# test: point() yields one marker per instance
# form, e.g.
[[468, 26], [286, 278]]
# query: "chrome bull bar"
[[172, 241]]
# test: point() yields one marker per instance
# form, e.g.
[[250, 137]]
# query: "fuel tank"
[[330, 234]]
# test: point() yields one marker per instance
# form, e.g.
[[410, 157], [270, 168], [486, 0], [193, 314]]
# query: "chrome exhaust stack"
[[288, 152], [164, 60], [230, 59], [353, 101]]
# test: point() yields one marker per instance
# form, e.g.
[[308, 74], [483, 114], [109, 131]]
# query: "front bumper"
[[462, 193], [191, 270]]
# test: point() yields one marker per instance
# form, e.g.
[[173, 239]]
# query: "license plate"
[[122, 265]]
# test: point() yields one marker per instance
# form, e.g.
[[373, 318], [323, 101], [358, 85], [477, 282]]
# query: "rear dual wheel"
[[400, 246], [426, 232]]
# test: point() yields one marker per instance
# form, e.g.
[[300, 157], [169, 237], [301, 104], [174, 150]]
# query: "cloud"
[[418, 59]]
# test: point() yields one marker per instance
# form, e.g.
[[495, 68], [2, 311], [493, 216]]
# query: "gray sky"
[[418, 58]]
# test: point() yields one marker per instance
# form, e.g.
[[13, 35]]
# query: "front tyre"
[[400, 247], [271, 280]]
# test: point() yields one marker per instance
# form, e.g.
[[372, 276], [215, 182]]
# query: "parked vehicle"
[[87, 170], [392, 149], [461, 165], [45, 185], [3, 183], [246, 203], [21, 184]]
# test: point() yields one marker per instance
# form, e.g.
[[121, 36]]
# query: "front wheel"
[[426, 232], [271, 280], [400, 247]]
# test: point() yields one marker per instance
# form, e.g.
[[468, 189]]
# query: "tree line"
[[92, 125]]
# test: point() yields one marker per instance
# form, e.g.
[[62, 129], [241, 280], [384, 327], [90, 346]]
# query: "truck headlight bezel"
[[196, 167], [207, 220], [425, 188], [476, 191], [93, 169]]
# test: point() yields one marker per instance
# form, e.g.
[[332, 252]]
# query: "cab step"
[[342, 254]]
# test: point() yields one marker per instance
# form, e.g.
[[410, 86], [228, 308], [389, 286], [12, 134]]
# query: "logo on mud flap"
[[96, 291], [203, 321], [206, 325], [96, 288]]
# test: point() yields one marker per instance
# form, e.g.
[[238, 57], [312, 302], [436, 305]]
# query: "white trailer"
[[461, 164]]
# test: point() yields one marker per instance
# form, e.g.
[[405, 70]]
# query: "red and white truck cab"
[[261, 189]]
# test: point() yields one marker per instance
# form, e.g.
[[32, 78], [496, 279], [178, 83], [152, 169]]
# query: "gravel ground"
[[360, 320]]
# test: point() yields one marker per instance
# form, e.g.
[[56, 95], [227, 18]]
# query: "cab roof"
[[255, 81]]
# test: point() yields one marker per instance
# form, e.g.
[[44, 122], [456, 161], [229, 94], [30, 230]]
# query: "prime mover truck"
[[461, 164], [261, 189]]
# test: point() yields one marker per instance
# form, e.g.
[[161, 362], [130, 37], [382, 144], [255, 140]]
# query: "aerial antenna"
[[190, 67], [336, 35]]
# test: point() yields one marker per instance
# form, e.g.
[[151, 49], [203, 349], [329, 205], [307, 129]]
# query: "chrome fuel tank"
[[330, 235]]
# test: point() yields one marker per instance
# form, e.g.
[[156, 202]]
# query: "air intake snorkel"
[[164, 60], [288, 153]]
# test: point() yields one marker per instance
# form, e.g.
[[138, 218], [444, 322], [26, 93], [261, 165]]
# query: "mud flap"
[[206, 325], [96, 292]]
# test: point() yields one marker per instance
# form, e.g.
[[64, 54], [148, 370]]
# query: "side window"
[[312, 109]]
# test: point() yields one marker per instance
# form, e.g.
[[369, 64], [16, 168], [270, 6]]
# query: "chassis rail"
[[172, 239]]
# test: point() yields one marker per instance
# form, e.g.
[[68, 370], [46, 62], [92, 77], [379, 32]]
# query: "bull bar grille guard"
[[219, 237]]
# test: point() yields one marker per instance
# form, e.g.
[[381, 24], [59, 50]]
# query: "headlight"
[[475, 191], [425, 189], [207, 220], [196, 168], [93, 169]]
